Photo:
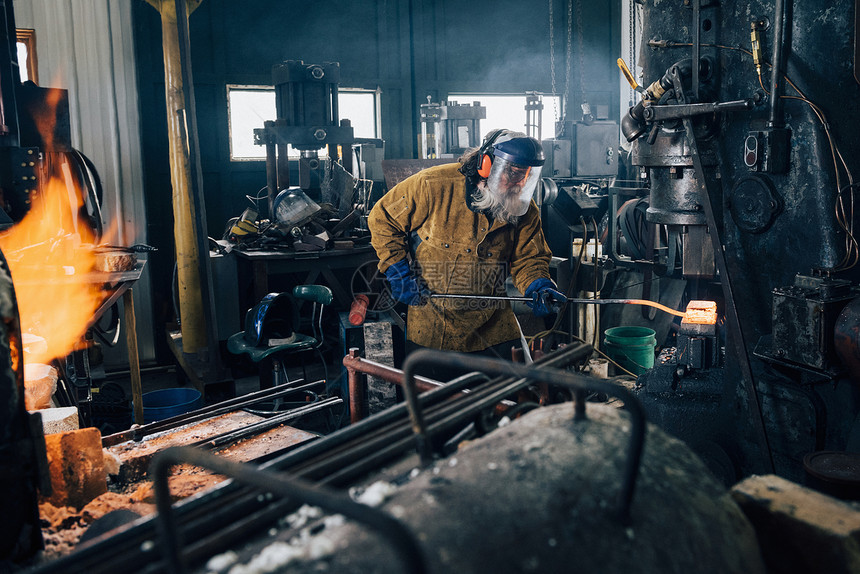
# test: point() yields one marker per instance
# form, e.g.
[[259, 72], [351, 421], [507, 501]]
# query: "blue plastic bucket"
[[166, 403], [631, 347]]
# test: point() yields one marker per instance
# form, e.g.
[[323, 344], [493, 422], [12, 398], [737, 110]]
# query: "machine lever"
[[681, 111], [628, 75]]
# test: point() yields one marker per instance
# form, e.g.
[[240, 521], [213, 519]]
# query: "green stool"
[[237, 344]]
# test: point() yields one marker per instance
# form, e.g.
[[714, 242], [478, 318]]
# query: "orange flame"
[[49, 266]]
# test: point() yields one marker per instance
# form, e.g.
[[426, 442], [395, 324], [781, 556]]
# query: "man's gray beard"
[[484, 200]]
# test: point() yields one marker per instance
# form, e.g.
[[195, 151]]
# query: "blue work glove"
[[405, 286], [546, 298]]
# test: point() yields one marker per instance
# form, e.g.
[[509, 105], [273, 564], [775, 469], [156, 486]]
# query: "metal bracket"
[[578, 383], [401, 538]]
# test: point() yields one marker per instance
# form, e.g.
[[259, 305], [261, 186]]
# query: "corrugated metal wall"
[[87, 48]]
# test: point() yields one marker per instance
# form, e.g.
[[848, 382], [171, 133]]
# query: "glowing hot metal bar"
[[569, 300]]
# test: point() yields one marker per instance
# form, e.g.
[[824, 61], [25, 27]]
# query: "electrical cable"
[[256, 199]]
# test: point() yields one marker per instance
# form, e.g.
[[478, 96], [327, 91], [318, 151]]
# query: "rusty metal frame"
[[395, 532], [579, 383], [231, 511], [210, 411]]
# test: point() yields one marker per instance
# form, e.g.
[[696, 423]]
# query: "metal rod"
[[529, 299], [577, 382], [354, 458], [203, 524], [776, 119], [481, 399], [357, 366], [384, 372], [444, 416], [357, 388], [707, 180], [271, 169], [681, 111], [569, 300], [266, 424], [133, 355], [697, 27], [357, 384], [203, 413], [527, 355], [377, 446], [394, 531]]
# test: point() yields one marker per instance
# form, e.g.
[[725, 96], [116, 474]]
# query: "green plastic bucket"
[[631, 347]]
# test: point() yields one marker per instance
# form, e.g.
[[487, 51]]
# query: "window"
[[361, 108], [249, 106], [508, 111], [26, 45]]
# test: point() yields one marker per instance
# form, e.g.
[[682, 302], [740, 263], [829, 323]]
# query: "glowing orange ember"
[[701, 313], [49, 263]]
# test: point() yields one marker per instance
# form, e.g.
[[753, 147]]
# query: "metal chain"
[[552, 63], [632, 46], [564, 105], [581, 54]]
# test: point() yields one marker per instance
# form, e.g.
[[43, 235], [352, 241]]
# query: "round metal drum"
[[834, 472]]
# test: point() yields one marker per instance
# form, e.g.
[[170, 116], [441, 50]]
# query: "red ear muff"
[[484, 168]]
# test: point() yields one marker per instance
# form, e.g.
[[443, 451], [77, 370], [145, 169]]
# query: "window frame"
[[27, 36], [294, 154], [547, 129]]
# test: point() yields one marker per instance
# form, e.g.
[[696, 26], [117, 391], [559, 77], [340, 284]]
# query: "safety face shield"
[[513, 185]]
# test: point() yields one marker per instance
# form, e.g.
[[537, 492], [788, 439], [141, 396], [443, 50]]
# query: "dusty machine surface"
[[744, 137], [69, 518], [537, 495], [402, 491]]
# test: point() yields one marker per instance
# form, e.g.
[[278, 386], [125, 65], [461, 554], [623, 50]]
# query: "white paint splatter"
[[376, 493], [221, 562]]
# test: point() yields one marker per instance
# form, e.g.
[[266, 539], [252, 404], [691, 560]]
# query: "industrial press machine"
[[743, 138]]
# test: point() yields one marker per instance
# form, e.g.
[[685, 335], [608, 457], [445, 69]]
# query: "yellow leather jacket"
[[460, 252]]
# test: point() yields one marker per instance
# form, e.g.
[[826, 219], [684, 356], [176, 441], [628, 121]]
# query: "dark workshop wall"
[[408, 48]]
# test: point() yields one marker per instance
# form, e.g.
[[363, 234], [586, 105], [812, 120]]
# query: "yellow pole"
[[191, 318], [133, 356]]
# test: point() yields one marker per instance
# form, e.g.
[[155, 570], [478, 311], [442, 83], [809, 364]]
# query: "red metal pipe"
[[357, 388], [357, 367]]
